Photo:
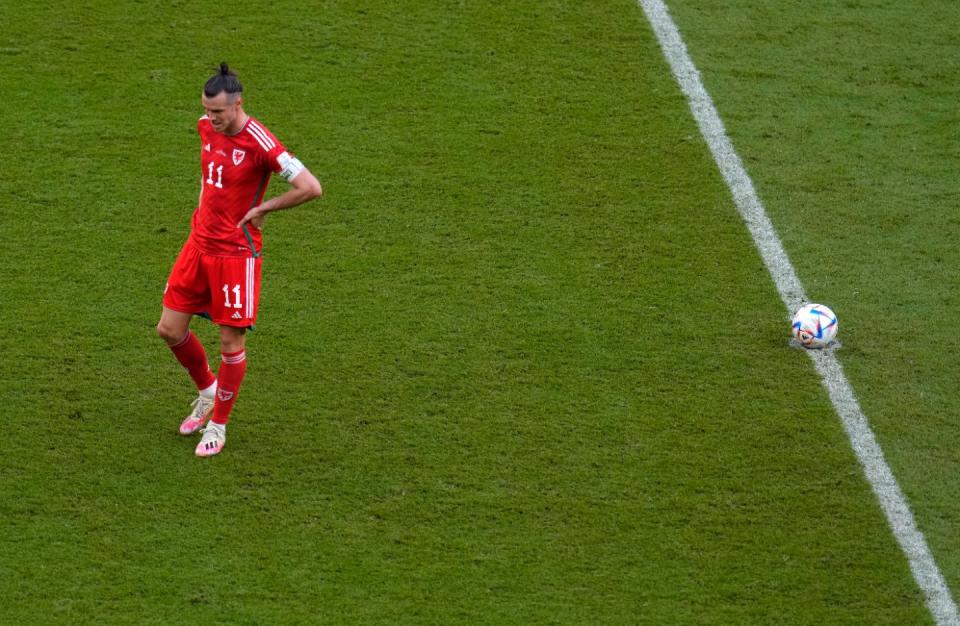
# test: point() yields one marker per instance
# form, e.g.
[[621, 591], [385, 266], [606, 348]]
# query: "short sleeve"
[[274, 155], [270, 146]]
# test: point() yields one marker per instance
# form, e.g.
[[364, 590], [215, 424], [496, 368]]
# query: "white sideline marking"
[[864, 442]]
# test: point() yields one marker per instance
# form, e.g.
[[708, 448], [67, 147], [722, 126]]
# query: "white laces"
[[212, 434], [200, 406]]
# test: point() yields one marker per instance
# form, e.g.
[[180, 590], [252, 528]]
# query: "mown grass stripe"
[[884, 484]]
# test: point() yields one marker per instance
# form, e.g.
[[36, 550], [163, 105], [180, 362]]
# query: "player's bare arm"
[[306, 187]]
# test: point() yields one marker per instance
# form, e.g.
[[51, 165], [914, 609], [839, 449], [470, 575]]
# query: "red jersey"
[[235, 171]]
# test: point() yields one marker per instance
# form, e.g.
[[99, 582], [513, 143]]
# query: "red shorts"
[[226, 288]]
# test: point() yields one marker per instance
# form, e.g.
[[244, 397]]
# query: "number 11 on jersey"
[[219, 182], [236, 294]]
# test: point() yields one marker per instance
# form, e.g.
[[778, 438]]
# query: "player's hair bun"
[[224, 80]]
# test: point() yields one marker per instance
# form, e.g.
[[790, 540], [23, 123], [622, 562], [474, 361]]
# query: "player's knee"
[[228, 346], [168, 333], [232, 339]]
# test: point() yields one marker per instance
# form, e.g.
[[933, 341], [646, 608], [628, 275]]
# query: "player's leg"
[[174, 329], [234, 312], [233, 367], [187, 291]]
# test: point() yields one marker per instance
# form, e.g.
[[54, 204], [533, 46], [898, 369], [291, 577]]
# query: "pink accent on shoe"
[[190, 425], [202, 408], [209, 449], [212, 442]]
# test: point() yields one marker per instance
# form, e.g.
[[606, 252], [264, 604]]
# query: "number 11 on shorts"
[[236, 294]]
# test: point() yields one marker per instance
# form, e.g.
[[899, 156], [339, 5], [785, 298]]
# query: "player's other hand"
[[254, 216]]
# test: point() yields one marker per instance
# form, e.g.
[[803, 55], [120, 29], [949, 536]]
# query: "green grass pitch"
[[522, 364]]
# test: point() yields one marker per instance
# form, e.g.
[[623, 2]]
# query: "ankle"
[[210, 392]]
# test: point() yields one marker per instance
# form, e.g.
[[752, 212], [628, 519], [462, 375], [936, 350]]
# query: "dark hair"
[[224, 80]]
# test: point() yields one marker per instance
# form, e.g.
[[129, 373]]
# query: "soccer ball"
[[814, 326]]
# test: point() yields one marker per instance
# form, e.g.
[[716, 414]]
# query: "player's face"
[[223, 113]]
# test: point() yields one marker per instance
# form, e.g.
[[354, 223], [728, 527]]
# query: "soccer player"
[[217, 273]]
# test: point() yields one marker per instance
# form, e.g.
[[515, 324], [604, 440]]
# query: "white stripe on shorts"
[[251, 274]]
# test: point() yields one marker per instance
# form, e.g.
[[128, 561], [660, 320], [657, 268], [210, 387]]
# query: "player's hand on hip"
[[254, 216]]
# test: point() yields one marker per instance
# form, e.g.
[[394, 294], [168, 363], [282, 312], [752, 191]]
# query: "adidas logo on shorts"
[[236, 315]]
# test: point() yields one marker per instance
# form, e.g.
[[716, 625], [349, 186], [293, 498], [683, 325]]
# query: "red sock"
[[232, 369], [189, 351]]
